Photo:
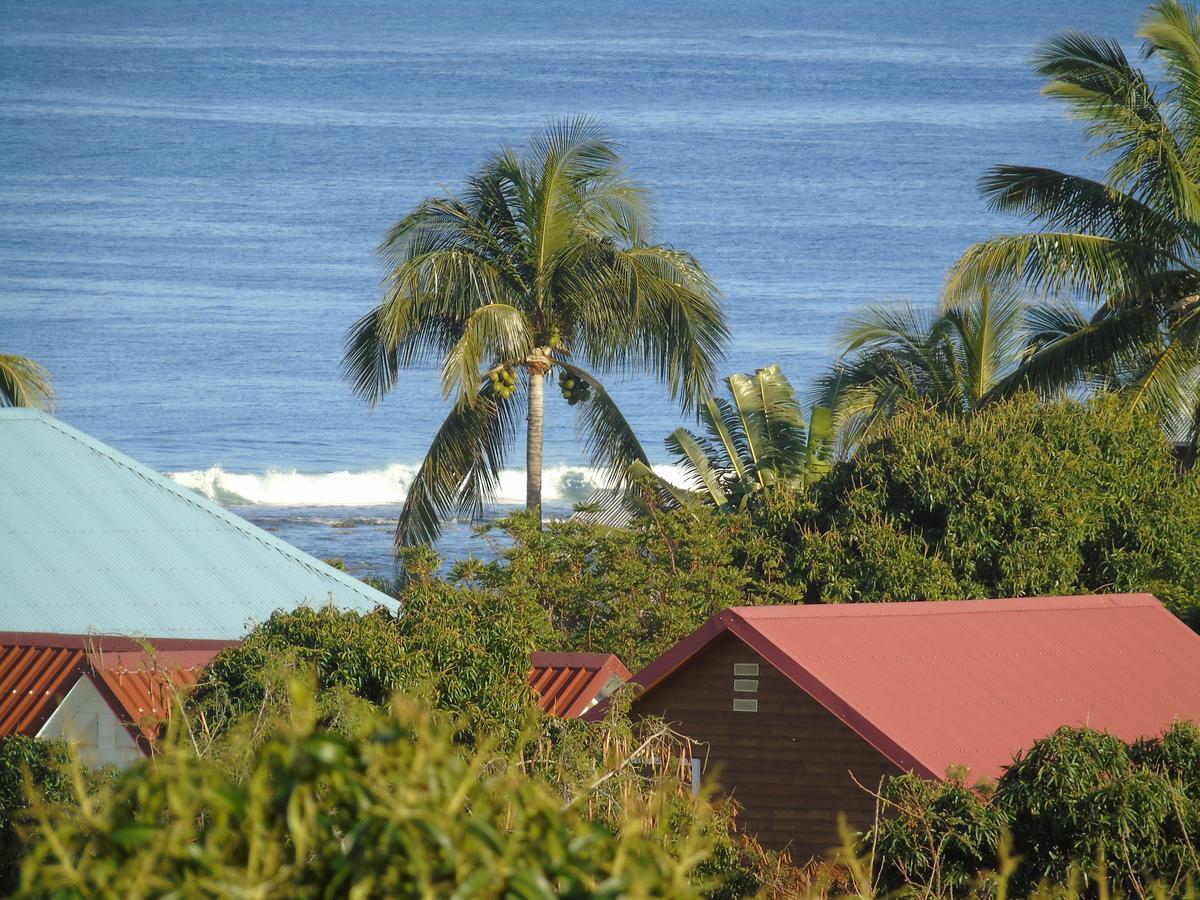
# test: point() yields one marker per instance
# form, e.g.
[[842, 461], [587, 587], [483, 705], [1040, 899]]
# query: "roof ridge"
[[864, 609], [250, 530]]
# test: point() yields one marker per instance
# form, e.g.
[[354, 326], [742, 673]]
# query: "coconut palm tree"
[[953, 361], [1127, 245], [25, 383], [544, 261], [756, 446]]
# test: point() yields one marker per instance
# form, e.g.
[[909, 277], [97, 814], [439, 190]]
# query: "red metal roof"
[[568, 684], [37, 670], [970, 682]]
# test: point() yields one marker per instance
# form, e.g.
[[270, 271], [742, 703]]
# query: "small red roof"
[[568, 684], [38, 670], [970, 682]]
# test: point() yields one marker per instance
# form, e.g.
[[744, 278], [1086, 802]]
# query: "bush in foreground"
[[1080, 806], [396, 809], [26, 764]]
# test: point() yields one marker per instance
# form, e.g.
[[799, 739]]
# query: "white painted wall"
[[85, 719]]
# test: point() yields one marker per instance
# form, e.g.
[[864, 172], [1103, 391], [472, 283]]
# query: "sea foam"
[[386, 486]]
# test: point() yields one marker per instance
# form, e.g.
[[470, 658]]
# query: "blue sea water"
[[190, 195]]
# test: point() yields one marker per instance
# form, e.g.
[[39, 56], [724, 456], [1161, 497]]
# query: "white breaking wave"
[[387, 486]]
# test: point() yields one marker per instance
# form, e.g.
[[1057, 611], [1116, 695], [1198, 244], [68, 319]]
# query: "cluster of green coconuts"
[[504, 382], [573, 389]]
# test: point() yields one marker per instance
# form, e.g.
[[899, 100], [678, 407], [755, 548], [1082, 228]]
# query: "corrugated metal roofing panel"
[[92, 540], [147, 696], [971, 682], [139, 680], [33, 681], [568, 684]]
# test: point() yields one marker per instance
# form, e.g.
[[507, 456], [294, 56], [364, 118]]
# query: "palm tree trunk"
[[533, 445]]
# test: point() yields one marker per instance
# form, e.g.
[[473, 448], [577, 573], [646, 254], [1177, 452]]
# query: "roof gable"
[[92, 540], [938, 684]]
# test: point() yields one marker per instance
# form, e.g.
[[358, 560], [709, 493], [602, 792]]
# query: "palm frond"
[[496, 332], [1167, 382], [1054, 264], [688, 449], [990, 339], [609, 439], [725, 429], [772, 421], [1062, 351], [651, 307], [1171, 31], [1058, 201], [1095, 77], [461, 469], [24, 382]]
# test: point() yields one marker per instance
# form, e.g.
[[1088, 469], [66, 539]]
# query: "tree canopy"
[[545, 260]]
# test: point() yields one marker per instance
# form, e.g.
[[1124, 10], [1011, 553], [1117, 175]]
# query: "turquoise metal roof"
[[91, 540]]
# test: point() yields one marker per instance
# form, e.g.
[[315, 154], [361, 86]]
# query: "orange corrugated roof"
[[146, 697], [568, 684], [37, 670], [33, 681]]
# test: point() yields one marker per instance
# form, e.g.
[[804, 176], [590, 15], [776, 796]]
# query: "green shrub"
[[1079, 807], [45, 765], [635, 592], [1049, 793], [394, 809], [940, 836], [1020, 499], [466, 650]]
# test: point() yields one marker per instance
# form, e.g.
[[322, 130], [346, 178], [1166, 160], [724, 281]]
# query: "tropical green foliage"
[[463, 650], [24, 383], [1019, 499], [637, 591], [395, 809], [899, 357], [939, 835], [545, 260], [756, 451], [1128, 244], [1078, 803], [46, 766]]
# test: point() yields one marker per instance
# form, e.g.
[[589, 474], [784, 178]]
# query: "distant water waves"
[[352, 515], [388, 486]]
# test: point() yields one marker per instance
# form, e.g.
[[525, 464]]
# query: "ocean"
[[190, 197]]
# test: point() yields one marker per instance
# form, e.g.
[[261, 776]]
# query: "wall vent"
[[745, 681]]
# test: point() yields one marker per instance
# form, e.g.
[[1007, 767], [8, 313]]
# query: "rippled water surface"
[[190, 195]]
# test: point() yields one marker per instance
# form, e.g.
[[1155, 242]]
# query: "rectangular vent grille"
[[745, 681]]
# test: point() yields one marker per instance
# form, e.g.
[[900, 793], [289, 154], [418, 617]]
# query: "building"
[[800, 709], [110, 696], [92, 541], [569, 684]]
